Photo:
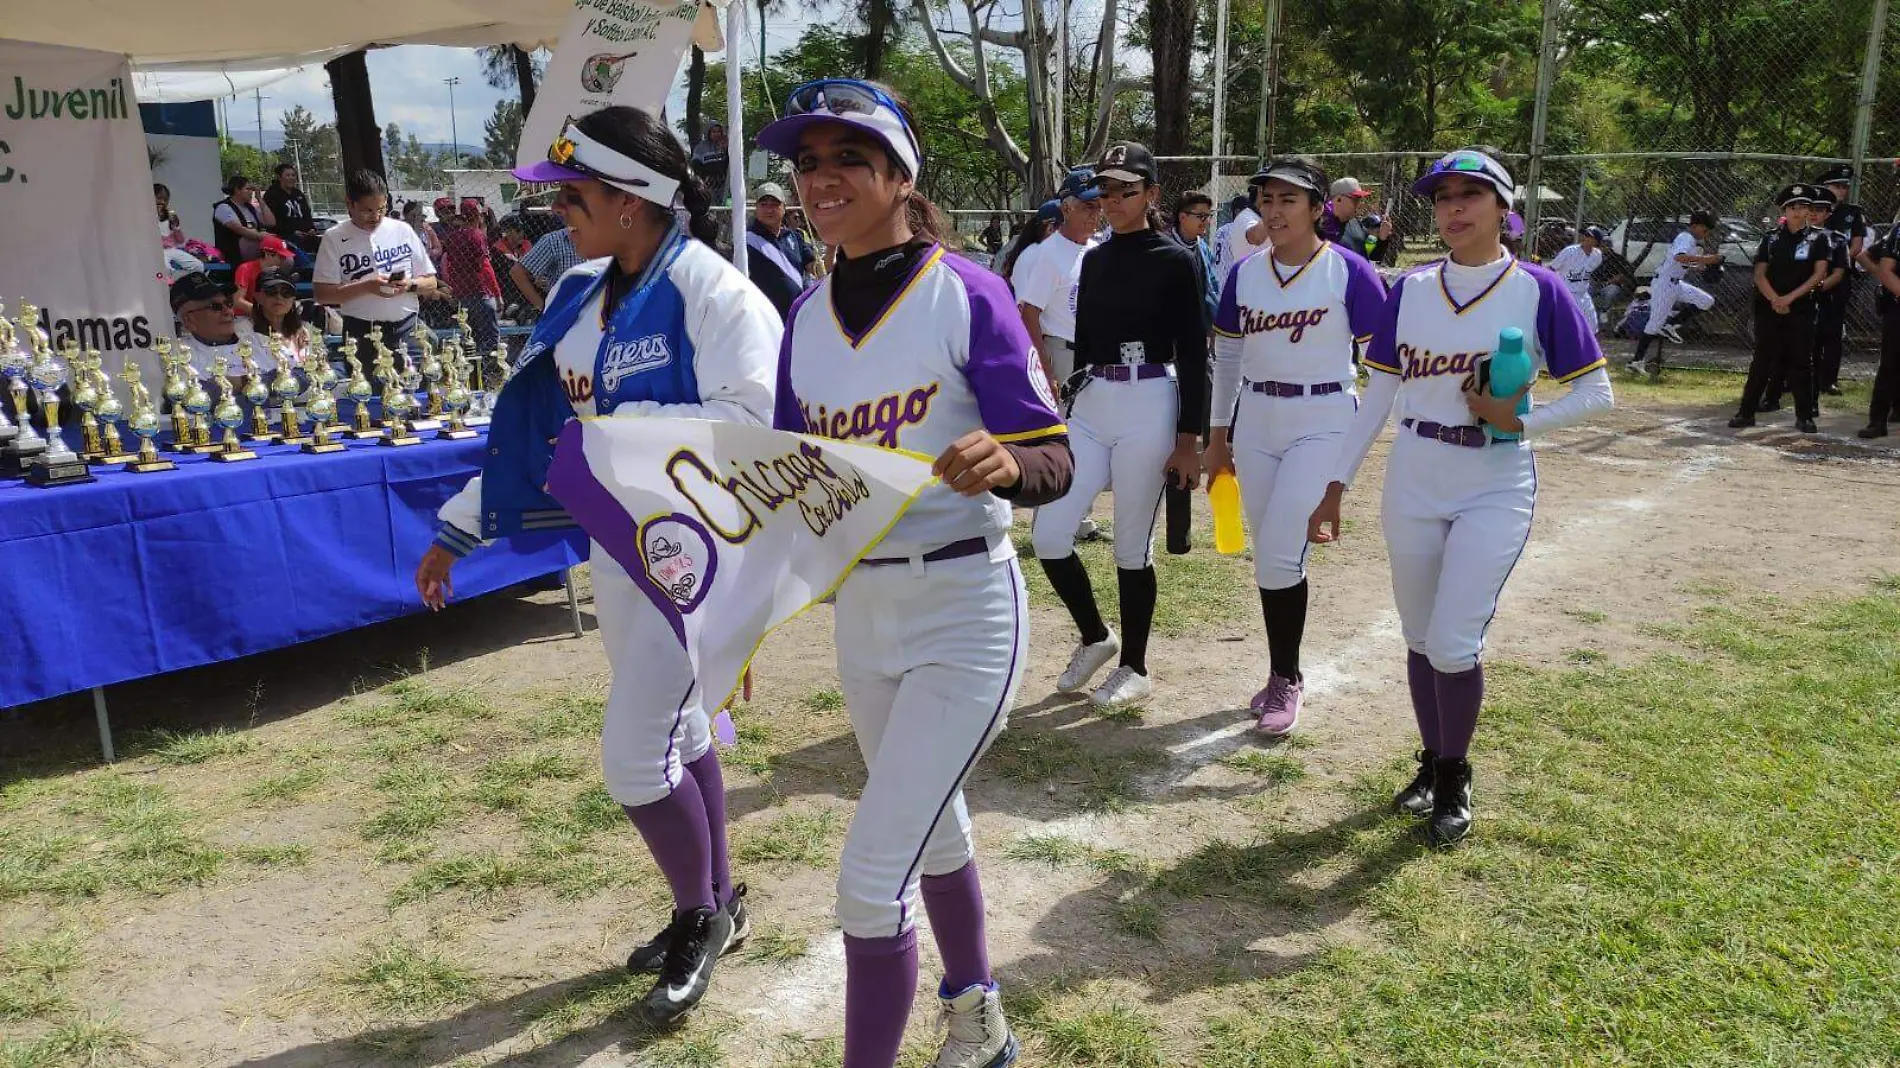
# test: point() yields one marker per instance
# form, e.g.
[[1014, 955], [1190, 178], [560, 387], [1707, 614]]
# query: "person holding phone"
[[1141, 358], [372, 267]]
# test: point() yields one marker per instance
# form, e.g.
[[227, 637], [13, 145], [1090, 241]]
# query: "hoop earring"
[[626, 222]]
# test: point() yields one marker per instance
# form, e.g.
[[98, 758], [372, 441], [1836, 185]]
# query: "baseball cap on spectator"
[[444, 207], [1079, 183], [1126, 161], [1473, 164], [473, 206], [276, 246], [196, 286], [1293, 172], [1050, 211], [770, 191], [277, 278], [1597, 232], [1350, 187]]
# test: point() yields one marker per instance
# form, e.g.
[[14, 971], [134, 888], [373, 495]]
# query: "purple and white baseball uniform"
[[1285, 383], [1457, 506], [932, 631]]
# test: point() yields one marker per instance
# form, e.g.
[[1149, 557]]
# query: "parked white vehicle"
[[1644, 241]]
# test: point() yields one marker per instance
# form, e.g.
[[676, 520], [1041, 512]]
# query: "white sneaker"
[[1124, 686], [1088, 660], [1091, 531], [978, 1035], [1672, 334]]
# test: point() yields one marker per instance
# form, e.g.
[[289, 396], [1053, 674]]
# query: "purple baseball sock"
[[1424, 685], [676, 834], [880, 981], [1460, 693], [954, 903], [712, 793]]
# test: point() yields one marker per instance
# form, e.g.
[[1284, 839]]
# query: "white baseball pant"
[[1456, 520], [1119, 431], [656, 719], [1663, 298], [1061, 353], [930, 657], [1284, 452]]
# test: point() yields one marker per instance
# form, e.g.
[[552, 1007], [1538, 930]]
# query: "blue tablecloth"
[[134, 575]]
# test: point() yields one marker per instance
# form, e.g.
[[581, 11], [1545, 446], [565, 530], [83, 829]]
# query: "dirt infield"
[[375, 865]]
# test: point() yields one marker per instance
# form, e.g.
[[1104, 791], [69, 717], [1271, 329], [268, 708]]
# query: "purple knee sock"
[[954, 903], [1460, 693], [880, 981], [676, 833], [712, 792], [1424, 685]]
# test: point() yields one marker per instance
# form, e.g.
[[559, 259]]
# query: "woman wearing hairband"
[[933, 628], [1460, 484], [654, 323]]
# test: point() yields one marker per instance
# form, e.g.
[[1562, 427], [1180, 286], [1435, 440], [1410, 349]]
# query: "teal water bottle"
[[1510, 371]]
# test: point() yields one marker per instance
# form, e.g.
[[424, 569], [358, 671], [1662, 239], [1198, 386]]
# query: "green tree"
[[501, 133], [238, 157], [513, 65], [314, 148]]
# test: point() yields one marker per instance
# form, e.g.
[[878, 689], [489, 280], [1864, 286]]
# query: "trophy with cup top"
[[111, 414], [455, 399], [290, 427], [26, 443], [257, 392], [358, 389], [9, 347], [227, 413], [320, 402], [59, 465], [144, 423]]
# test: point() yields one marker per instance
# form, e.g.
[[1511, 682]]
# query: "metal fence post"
[[1540, 120], [1220, 93], [1869, 87]]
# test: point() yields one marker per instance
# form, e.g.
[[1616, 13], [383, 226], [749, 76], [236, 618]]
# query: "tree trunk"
[[524, 77], [1171, 37], [878, 20], [360, 140], [695, 95]]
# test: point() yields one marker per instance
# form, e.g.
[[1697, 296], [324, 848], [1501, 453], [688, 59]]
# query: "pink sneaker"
[[1279, 706]]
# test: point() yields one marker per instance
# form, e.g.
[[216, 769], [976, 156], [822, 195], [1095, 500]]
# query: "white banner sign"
[[76, 215], [731, 530], [611, 52]]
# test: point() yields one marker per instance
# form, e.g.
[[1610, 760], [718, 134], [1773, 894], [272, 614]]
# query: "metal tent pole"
[[735, 129]]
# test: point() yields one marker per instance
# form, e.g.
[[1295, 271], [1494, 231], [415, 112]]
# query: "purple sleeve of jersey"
[[1365, 295], [1227, 315], [787, 413], [1383, 352], [1011, 391], [1569, 341]]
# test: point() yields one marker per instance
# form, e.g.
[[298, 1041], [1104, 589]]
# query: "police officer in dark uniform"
[[1790, 265], [1848, 222], [1886, 257]]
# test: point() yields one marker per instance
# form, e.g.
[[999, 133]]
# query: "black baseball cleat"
[[1768, 406], [696, 940], [1806, 426], [1832, 391], [1451, 801], [1416, 798], [647, 959], [1741, 422], [1873, 430]]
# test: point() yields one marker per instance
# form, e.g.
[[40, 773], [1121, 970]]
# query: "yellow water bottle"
[[1223, 494]]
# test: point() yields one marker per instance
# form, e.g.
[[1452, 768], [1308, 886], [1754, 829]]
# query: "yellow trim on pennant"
[[896, 302], [1363, 338], [1601, 362], [1382, 367], [1032, 435]]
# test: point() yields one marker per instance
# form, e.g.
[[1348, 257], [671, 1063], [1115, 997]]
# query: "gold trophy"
[[290, 428], [9, 350], [319, 401], [59, 465], [197, 406], [111, 414], [257, 392], [144, 423], [399, 402], [228, 414], [359, 391], [175, 388], [85, 397], [455, 399], [430, 379]]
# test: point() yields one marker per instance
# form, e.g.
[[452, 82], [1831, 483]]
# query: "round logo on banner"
[[680, 558]]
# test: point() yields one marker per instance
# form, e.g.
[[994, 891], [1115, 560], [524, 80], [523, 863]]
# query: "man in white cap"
[[779, 260]]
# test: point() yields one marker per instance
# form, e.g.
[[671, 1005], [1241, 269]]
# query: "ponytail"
[[924, 217], [698, 204]]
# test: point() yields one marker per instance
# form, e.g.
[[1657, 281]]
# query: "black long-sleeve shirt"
[[1144, 287]]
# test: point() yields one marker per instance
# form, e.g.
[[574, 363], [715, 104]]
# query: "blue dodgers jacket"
[[693, 339]]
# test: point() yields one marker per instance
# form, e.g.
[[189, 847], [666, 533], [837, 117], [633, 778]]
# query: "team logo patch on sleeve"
[[1039, 381]]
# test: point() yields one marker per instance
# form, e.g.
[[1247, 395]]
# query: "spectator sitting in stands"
[[276, 312], [548, 260], [207, 321], [241, 220], [171, 234], [274, 253], [295, 222]]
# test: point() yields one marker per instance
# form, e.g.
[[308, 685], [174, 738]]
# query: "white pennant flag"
[[731, 530]]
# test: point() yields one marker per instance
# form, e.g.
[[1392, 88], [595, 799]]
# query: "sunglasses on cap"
[[847, 96], [1469, 163], [561, 151], [278, 289]]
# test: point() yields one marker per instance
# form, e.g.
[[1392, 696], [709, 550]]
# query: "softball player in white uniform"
[[913, 347], [1285, 390], [1670, 288], [1458, 500], [1577, 265], [657, 325]]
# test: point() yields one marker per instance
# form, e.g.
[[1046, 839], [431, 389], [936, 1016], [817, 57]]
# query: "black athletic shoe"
[[696, 940], [1832, 391], [1741, 422], [1806, 426], [1768, 406], [1451, 801], [647, 959], [1873, 430], [1416, 798]]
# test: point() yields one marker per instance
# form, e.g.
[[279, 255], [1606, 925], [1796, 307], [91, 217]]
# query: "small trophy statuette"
[[26, 442], [9, 348], [399, 402], [429, 380], [320, 402], [197, 407], [111, 413], [455, 398], [59, 465], [359, 391], [257, 392], [85, 397], [144, 423], [228, 414], [171, 362], [285, 386]]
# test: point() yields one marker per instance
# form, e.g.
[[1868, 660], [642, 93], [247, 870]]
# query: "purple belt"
[[956, 550], [1294, 389], [1471, 437], [1121, 372]]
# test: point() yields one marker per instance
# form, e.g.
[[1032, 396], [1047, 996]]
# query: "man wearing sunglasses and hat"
[[1790, 265], [207, 320]]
